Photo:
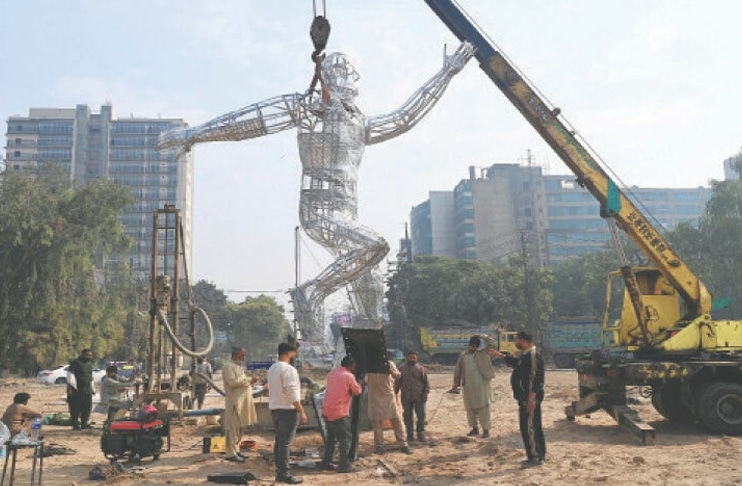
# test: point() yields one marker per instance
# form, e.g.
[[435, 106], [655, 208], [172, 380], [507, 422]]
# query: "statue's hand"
[[177, 137], [456, 61]]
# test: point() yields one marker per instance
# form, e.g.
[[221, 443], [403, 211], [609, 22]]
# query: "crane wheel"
[[719, 407], [666, 400]]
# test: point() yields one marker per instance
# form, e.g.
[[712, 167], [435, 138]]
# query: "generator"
[[135, 439]]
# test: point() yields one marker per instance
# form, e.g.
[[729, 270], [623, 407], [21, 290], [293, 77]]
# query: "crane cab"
[[661, 304]]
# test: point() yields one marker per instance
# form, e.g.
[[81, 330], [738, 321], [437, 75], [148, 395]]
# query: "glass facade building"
[[509, 208], [91, 145], [575, 226]]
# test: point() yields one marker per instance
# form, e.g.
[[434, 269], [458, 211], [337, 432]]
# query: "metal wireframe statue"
[[333, 133]]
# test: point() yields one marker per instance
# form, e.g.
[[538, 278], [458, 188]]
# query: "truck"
[[658, 333], [444, 344], [566, 339]]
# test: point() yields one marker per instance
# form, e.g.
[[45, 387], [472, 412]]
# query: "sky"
[[652, 85]]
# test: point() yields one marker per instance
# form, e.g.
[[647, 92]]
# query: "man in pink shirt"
[[342, 386]]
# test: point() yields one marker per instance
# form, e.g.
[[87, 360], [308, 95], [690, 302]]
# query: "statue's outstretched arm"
[[383, 127], [263, 118]]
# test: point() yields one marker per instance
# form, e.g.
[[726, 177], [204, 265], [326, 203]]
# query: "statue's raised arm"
[[259, 119], [389, 125]]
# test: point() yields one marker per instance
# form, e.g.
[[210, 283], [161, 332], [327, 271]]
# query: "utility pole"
[[297, 273], [527, 294]]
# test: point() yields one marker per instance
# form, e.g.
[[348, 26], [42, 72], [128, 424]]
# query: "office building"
[[432, 224], [491, 216], [575, 226], [508, 209], [91, 145]]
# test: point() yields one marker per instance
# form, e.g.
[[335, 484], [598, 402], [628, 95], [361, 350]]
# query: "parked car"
[[58, 375]]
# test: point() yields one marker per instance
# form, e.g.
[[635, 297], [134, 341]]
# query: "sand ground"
[[592, 450]]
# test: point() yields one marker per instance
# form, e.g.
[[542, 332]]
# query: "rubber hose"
[[193, 354]]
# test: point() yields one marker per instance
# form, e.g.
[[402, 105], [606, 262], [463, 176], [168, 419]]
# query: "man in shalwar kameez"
[[382, 405], [239, 409], [473, 372]]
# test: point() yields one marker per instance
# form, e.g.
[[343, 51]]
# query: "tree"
[[433, 291], [259, 325], [53, 299]]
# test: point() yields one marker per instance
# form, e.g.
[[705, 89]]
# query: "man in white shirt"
[[284, 402]]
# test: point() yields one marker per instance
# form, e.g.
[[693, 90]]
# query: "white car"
[[58, 375]]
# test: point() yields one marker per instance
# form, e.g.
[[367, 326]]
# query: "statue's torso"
[[335, 143]]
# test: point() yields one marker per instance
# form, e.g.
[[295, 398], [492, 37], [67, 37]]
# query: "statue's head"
[[340, 76]]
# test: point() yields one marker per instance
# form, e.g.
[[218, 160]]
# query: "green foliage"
[[712, 248], [258, 324], [579, 284], [52, 298], [433, 291]]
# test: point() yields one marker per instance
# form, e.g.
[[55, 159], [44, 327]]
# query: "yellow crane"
[[664, 337]]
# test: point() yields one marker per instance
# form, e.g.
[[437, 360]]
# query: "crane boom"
[[590, 174]]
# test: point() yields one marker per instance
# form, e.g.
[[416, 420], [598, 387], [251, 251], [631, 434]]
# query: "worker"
[[80, 389], [413, 387], [342, 386], [17, 416], [112, 393], [287, 412], [382, 406], [239, 408], [473, 372], [527, 382], [203, 368]]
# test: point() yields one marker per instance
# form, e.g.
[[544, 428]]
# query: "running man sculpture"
[[333, 133]]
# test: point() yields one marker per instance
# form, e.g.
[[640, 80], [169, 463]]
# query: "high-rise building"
[[487, 217], [432, 222], [575, 226], [91, 145], [508, 209]]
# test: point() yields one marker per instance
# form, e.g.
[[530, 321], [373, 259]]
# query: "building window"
[[18, 141], [17, 153]]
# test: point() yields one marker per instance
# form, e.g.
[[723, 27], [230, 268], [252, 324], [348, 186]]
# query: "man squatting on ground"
[[473, 372], [239, 408], [414, 387], [382, 405], [284, 402], [527, 382], [342, 386]]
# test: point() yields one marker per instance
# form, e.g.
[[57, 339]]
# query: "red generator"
[[135, 439]]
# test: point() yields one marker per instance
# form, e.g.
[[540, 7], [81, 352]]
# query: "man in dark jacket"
[[527, 382], [80, 393]]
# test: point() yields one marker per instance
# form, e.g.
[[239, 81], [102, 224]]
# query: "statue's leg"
[[360, 250]]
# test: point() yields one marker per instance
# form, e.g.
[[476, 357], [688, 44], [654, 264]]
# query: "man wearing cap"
[[414, 387], [473, 372], [239, 409], [527, 382]]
